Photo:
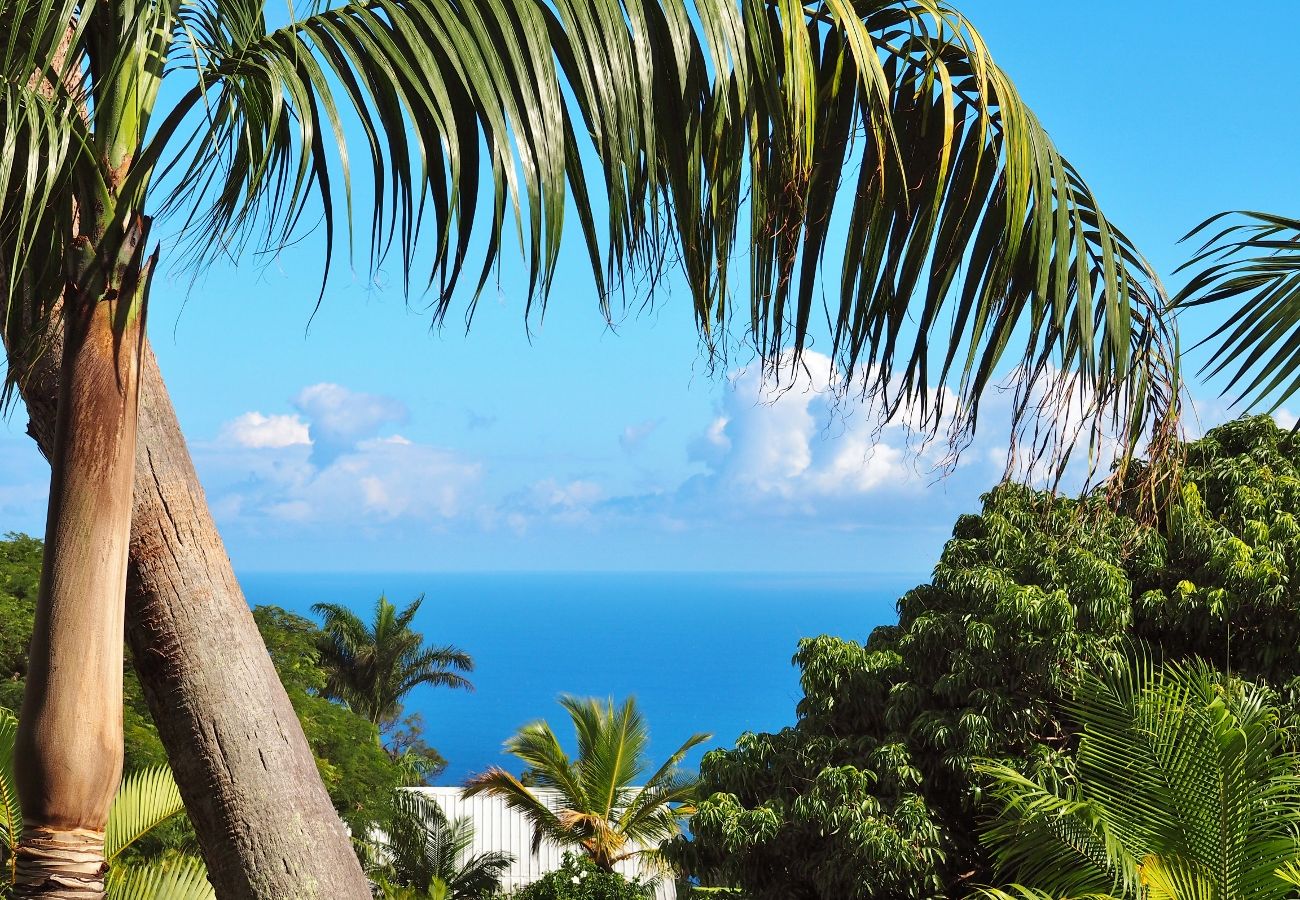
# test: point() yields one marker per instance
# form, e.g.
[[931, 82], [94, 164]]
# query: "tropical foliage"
[[425, 850], [373, 666], [360, 774], [147, 799], [608, 803], [873, 793], [1183, 786], [578, 878]]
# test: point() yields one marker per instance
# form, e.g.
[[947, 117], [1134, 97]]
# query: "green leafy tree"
[[361, 776], [227, 122], [372, 666], [1183, 786], [423, 849], [874, 794], [578, 878], [610, 804]]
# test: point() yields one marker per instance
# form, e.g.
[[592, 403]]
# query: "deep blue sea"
[[700, 652]]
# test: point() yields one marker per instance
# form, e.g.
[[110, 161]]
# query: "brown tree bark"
[[68, 747], [264, 820]]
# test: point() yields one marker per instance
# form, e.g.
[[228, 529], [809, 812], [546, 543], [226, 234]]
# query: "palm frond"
[[497, 782], [179, 879], [1252, 261], [11, 815], [145, 800], [973, 248]]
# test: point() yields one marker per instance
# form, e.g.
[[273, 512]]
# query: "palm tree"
[[1185, 788], [970, 240], [424, 848], [146, 800], [372, 667], [606, 805]]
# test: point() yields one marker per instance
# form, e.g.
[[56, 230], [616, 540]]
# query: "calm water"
[[701, 652]]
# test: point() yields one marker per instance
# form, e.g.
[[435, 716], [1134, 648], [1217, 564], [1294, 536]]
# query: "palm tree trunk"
[[265, 823], [68, 758]]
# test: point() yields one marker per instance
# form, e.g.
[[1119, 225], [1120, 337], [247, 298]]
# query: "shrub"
[[580, 879]]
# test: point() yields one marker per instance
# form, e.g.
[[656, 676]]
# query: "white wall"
[[497, 827]]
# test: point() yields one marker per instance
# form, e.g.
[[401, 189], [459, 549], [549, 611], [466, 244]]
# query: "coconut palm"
[[424, 848], [972, 246], [371, 667], [607, 806], [1186, 788], [146, 800]]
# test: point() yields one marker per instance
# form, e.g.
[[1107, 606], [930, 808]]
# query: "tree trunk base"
[[60, 865]]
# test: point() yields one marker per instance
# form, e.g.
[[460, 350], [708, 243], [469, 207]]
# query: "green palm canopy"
[[1186, 788], [608, 802], [871, 145], [373, 666]]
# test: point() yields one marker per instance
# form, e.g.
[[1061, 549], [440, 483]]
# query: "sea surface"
[[700, 652]]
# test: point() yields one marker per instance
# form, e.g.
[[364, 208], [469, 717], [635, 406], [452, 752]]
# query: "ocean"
[[700, 652]]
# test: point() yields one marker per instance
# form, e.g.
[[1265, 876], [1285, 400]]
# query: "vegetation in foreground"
[[1185, 785], [875, 792]]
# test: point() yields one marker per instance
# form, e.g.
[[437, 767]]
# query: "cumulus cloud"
[[804, 442], [256, 431], [339, 418], [327, 465]]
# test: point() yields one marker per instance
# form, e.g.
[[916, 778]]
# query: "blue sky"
[[367, 441]]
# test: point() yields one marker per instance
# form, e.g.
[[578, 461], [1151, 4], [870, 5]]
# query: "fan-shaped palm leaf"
[[179, 879], [146, 799], [1186, 790]]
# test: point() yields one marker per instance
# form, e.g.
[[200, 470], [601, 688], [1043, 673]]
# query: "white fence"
[[498, 827]]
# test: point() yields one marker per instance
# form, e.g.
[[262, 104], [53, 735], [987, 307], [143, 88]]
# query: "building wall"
[[497, 827]]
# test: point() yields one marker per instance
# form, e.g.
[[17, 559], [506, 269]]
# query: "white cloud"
[[256, 431], [338, 417]]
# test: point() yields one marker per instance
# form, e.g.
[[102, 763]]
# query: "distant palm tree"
[[1185, 788], [426, 850], [601, 809], [372, 667]]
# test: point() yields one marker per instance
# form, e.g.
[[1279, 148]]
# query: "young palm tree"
[[372, 667], [424, 848], [1186, 788], [967, 233], [607, 806]]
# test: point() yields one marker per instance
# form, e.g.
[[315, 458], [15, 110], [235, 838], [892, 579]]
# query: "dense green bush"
[[580, 879], [872, 794]]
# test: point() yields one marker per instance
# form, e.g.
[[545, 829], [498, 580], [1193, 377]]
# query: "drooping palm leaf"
[[146, 799], [768, 131], [1251, 259]]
